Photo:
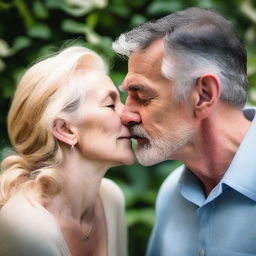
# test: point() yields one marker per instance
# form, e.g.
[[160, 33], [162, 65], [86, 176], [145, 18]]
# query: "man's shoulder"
[[171, 184], [172, 179]]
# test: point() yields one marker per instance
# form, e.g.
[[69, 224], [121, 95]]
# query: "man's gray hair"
[[197, 41]]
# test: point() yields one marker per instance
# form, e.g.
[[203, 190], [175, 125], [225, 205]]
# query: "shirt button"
[[202, 252]]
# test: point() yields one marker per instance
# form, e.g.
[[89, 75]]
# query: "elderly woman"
[[64, 125]]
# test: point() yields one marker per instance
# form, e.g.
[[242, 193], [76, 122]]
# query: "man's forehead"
[[147, 61]]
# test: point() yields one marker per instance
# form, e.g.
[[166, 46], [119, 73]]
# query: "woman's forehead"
[[97, 84]]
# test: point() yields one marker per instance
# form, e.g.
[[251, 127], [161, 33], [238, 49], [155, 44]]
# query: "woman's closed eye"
[[111, 106]]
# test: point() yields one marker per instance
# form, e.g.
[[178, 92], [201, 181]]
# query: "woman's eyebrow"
[[110, 93]]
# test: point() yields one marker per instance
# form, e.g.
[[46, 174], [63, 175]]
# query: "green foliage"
[[32, 29]]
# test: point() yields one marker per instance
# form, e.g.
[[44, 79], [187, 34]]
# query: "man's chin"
[[144, 155], [147, 162]]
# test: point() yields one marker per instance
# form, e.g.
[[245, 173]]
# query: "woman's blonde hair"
[[45, 92]]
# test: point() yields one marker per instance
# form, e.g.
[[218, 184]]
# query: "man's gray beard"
[[159, 150]]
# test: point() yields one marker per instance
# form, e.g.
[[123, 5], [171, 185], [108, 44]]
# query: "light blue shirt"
[[222, 224]]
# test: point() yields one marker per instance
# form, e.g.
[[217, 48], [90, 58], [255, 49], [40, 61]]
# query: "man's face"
[[159, 123]]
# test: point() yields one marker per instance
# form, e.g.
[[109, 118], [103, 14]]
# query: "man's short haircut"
[[197, 41]]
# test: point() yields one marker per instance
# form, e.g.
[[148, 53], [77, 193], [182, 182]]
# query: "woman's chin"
[[127, 160]]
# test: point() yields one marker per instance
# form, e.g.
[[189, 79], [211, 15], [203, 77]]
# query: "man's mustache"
[[139, 131]]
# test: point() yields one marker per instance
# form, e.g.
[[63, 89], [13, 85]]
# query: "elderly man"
[[186, 86]]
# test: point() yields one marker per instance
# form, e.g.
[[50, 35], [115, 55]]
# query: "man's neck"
[[215, 144]]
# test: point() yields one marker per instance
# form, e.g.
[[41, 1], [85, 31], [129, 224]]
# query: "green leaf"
[[2, 65], [117, 77], [146, 216], [74, 27], [253, 93], [7, 91], [248, 9], [25, 13], [120, 10], [20, 43], [206, 4], [92, 20], [5, 6], [137, 3], [76, 8], [39, 30], [137, 19], [93, 37], [17, 74], [4, 48], [163, 7], [39, 10]]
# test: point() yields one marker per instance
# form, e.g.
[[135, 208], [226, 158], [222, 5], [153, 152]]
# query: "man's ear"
[[63, 132], [206, 94]]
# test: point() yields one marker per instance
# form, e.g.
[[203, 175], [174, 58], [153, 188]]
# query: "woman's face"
[[101, 135]]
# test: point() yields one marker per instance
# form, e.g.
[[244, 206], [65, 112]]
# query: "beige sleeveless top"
[[29, 229]]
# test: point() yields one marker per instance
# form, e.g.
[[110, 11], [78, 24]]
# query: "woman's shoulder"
[[20, 210], [111, 192], [17, 208], [114, 206], [28, 227], [110, 185]]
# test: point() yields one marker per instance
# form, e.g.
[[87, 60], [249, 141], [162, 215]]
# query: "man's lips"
[[140, 140]]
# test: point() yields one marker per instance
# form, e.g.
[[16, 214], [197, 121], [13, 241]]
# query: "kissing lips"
[[125, 137], [141, 140]]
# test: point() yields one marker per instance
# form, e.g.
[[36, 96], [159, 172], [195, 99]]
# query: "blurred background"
[[36, 28]]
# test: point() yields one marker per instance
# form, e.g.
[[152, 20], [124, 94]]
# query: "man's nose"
[[130, 117]]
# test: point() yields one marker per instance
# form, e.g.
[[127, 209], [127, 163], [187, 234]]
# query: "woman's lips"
[[125, 137]]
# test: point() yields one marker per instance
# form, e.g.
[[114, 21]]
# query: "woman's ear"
[[206, 94], [63, 132]]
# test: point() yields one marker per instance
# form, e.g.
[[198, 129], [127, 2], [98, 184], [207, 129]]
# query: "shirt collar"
[[191, 187], [240, 175]]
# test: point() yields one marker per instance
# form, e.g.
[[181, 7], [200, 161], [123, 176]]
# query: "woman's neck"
[[79, 190]]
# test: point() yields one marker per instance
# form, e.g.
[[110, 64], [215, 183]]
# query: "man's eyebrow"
[[133, 87]]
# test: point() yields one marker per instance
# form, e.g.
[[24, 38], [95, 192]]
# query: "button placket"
[[202, 252]]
